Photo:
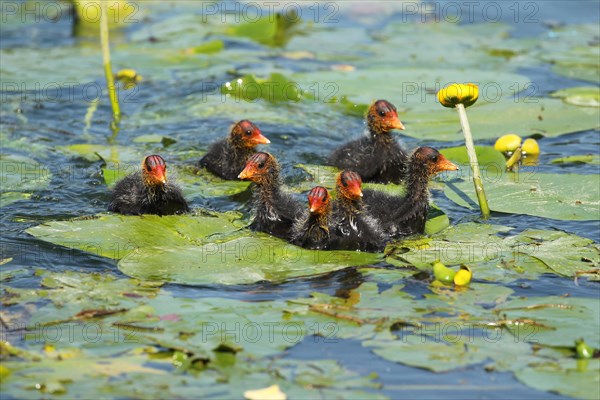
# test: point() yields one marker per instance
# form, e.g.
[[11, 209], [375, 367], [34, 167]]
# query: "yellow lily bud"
[[443, 273], [128, 74], [530, 147], [129, 78], [463, 276], [456, 93], [507, 143]]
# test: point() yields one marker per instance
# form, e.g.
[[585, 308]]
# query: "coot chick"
[[311, 229], [352, 226], [406, 215], [148, 192], [227, 157], [275, 210], [377, 157]]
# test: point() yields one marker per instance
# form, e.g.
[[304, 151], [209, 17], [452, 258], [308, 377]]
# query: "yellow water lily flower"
[[508, 143], [458, 93], [531, 147], [463, 276]]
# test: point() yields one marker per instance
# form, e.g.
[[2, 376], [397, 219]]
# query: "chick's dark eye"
[[261, 165], [434, 158], [382, 113], [248, 132], [149, 168]]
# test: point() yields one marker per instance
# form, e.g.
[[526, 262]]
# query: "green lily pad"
[[276, 88], [553, 320], [464, 243], [272, 30], [573, 51], [202, 183], [249, 259], [115, 236], [565, 254], [111, 154], [491, 161], [576, 378], [583, 159], [320, 175], [558, 196], [426, 353], [586, 96], [210, 47]]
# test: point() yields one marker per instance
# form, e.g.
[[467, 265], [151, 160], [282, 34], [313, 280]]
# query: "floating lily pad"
[[573, 51], [464, 243], [113, 154], [202, 183], [586, 96], [249, 259], [563, 253], [490, 160], [115, 236], [275, 88], [273, 30], [583, 159], [210, 47], [558, 196], [528, 254], [576, 378], [553, 321]]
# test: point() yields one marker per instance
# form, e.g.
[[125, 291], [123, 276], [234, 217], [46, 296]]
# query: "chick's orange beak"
[[259, 138], [354, 190], [315, 204], [159, 174], [248, 172], [443, 164], [394, 123]]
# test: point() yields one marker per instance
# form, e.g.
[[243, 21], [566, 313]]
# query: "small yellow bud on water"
[[458, 93], [507, 143], [531, 147], [463, 276]]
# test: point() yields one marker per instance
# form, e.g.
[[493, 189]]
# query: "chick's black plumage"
[[377, 157], [311, 228], [352, 226], [406, 215], [227, 157], [274, 210], [148, 192]]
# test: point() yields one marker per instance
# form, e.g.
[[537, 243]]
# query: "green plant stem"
[[464, 122], [110, 81]]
